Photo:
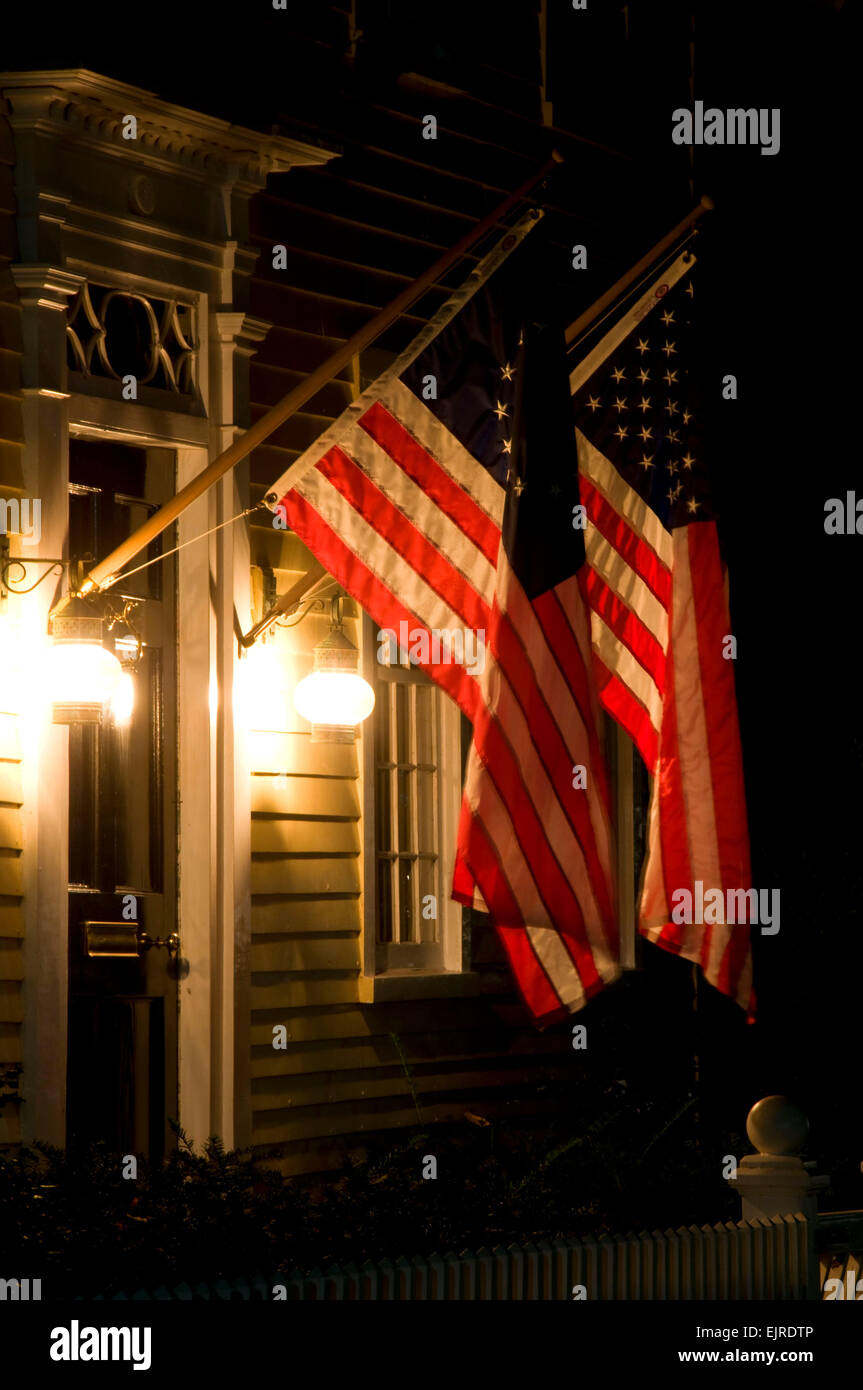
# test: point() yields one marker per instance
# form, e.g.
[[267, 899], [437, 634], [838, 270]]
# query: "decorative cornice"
[[245, 332], [47, 285], [82, 105]]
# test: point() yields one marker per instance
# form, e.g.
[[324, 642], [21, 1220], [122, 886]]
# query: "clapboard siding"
[[355, 1054], [299, 1092], [281, 1130], [295, 753], [10, 784], [10, 1043], [280, 913], [305, 954], [281, 837], [355, 233], [11, 1010]]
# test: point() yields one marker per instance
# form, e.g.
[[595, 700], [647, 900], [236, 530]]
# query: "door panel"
[[122, 1042]]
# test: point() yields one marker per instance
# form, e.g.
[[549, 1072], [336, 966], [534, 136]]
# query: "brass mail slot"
[[112, 939]]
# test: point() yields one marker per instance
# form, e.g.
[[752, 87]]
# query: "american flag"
[[658, 596], [443, 497]]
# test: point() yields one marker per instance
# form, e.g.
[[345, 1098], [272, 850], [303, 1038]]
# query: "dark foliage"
[[84, 1229]]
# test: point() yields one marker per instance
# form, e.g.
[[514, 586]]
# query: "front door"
[[122, 1038]]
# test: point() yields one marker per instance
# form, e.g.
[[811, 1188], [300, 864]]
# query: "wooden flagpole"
[[107, 571], [589, 316]]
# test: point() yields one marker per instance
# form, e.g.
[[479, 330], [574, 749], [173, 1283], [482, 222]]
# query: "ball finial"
[[775, 1125]]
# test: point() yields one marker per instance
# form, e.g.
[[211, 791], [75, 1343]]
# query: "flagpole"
[[589, 316], [106, 572]]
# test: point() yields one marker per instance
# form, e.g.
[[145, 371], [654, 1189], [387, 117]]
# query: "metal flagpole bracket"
[[310, 586]]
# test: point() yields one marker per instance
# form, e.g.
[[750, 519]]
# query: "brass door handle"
[[125, 940], [170, 943]]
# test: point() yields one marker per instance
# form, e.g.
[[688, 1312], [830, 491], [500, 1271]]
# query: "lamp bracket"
[[11, 586], [302, 594]]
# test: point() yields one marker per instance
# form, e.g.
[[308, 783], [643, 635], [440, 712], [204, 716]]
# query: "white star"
[[673, 437], [618, 374], [645, 403], [593, 402], [620, 403], [646, 461], [668, 317], [507, 446], [643, 375], [500, 410], [692, 505], [671, 407], [642, 345], [645, 433], [686, 417], [687, 460], [668, 348], [621, 431], [670, 377], [507, 371], [689, 290]]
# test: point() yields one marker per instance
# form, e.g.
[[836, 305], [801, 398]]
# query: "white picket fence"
[[765, 1259]]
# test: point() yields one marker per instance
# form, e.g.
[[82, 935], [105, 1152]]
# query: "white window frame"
[[430, 969]]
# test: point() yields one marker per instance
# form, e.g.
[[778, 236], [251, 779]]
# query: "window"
[[413, 775], [413, 761]]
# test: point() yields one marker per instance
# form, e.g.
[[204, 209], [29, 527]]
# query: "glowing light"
[[80, 674], [10, 666], [334, 698], [123, 700], [82, 678], [260, 695], [339, 699]]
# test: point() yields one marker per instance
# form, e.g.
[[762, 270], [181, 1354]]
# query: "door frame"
[[214, 819]]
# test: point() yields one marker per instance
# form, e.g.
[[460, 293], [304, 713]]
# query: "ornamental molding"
[[48, 286], [84, 106]]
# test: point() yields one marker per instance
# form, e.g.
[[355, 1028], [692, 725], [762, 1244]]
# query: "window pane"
[[404, 789], [429, 890], [83, 799], [383, 832], [382, 723], [425, 812], [426, 724], [385, 901], [403, 723], [137, 810], [406, 902]]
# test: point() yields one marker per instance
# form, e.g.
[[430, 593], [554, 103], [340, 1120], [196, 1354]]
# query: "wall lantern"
[[82, 676], [334, 698]]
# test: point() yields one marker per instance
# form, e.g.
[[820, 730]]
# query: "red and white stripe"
[[409, 523], [659, 614]]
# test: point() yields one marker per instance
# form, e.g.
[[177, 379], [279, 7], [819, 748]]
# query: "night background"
[[778, 280]]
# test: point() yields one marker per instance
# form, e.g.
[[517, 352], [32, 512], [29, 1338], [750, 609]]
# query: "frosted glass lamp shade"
[[81, 676], [334, 698]]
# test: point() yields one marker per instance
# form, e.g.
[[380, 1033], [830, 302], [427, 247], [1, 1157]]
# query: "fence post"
[[775, 1181]]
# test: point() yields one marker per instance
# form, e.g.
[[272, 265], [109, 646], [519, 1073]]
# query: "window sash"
[[408, 850]]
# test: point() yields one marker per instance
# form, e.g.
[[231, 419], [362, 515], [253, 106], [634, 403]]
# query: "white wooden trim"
[[196, 792], [449, 802], [45, 811], [424, 969], [368, 782]]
